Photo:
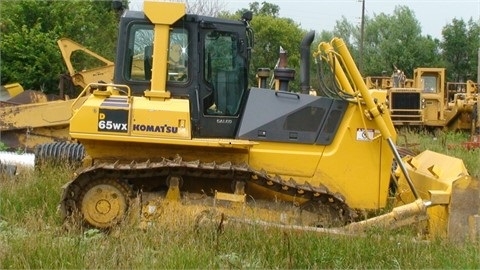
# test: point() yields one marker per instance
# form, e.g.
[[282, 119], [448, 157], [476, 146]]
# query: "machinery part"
[[60, 151], [173, 183], [453, 196], [104, 202], [140, 176], [7, 169], [83, 76], [25, 159], [375, 111], [325, 213], [464, 202], [413, 212]]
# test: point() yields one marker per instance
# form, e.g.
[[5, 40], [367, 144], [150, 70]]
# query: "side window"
[[429, 84], [140, 54], [178, 56], [225, 70]]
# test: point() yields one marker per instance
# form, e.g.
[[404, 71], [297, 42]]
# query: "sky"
[[321, 15]]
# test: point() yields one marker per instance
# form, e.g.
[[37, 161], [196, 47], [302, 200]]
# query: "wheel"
[[105, 202]]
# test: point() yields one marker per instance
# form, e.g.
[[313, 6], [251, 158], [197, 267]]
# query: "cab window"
[[178, 56], [429, 84], [225, 71], [140, 54]]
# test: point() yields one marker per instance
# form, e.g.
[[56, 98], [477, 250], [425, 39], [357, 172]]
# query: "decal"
[[224, 121], [365, 134], [113, 120], [153, 128]]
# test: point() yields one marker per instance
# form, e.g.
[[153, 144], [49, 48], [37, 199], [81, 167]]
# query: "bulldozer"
[[180, 120], [428, 100]]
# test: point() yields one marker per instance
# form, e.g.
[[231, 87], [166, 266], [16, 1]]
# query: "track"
[[152, 176]]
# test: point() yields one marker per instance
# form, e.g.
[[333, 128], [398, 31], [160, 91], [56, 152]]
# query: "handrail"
[[107, 89]]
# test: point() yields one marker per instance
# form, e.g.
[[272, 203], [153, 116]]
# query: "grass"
[[32, 235]]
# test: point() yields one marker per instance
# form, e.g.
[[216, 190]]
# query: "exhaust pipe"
[[305, 56]]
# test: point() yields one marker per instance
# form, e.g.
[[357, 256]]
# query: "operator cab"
[[207, 64]]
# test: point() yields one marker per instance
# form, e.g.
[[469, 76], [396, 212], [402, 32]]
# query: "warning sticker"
[[365, 134]]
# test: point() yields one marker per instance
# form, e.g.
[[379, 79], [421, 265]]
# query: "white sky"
[[320, 15]]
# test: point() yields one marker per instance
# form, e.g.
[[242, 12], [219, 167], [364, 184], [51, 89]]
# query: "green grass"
[[33, 236]]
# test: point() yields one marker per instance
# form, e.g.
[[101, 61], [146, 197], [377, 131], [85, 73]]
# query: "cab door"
[[223, 82]]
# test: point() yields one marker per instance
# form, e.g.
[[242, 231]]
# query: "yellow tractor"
[[428, 101], [185, 122]]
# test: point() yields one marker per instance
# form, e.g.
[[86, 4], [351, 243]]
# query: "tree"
[[390, 40], [211, 8], [271, 33], [30, 29], [348, 32], [396, 40], [460, 48], [473, 49], [265, 9]]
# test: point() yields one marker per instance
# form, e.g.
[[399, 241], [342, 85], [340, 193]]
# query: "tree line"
[[29, 30]]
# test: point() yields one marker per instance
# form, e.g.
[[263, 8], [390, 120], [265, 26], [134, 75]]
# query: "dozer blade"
[[464, 218], [452, 194]]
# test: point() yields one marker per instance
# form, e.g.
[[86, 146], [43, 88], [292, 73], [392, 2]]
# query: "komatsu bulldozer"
[[180, 119]]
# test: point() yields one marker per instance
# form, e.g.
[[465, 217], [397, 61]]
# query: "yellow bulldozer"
[[428, 100], [180, 121]]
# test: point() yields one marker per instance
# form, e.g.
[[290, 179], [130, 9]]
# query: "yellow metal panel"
[[302, 159], [350, 153], [162, 15], [332, 166], [167, 119], [455, 165], [146, 118], [85, 120], [163, 12]]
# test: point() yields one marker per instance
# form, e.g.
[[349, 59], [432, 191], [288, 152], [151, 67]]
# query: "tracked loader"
[[180, 119]]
